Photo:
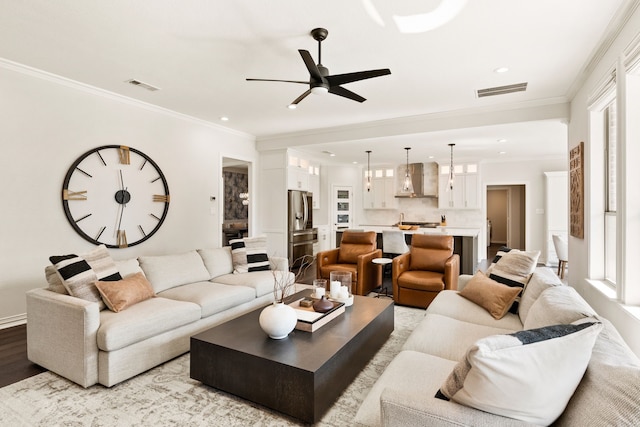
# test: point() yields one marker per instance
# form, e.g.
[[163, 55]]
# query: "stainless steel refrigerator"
[[301, 235]]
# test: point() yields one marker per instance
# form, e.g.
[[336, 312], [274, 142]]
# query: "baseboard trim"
[[9, 322]]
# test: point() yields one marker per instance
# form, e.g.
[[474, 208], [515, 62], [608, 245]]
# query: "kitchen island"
[[465, 241]]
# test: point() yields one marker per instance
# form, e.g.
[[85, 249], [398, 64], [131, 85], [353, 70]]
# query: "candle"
[[335, 289], [344, 292], [320, 292]]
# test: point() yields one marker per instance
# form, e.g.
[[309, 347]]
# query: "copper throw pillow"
[[126, 292]]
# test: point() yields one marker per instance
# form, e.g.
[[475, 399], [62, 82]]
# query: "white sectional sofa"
[[404, 395], [194, 291]]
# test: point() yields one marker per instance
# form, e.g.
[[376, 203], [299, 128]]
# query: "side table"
[[384, 292]]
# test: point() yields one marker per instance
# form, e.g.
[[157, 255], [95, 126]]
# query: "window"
[[610, 143]]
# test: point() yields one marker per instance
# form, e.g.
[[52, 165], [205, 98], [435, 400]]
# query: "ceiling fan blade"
[[340, 79], [339, 90], [283, 81], [301, 97], [311, 66]]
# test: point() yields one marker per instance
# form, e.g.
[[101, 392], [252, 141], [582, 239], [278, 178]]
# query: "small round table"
[[384, 292]]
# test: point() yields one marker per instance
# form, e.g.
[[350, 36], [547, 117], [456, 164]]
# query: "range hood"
[[417, 172]]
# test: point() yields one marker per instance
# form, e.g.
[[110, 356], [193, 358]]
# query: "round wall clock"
[[116, 196]]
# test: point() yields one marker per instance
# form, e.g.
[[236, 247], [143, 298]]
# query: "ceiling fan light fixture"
[[319, 90]]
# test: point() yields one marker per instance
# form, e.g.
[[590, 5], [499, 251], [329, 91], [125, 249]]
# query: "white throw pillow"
[[529, 375]]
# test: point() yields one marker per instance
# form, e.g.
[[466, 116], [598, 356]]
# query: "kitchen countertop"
[[446, 230]]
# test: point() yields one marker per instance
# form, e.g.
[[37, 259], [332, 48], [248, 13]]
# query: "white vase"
[[278, 320]]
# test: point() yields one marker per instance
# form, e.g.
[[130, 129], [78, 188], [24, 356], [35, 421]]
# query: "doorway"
[[506, 217], [235, 199]]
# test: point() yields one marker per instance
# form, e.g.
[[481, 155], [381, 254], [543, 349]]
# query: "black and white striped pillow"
[[80, 272], [514, 268], [249, 254]]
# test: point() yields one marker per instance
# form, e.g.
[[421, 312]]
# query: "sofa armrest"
[[463, 279], [369, 274], [279, 263], [451, 272], [61, 335], [398, 409], [399, 265]]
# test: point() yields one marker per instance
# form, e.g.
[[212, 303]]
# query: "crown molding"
[[93, 90], [614, 29]]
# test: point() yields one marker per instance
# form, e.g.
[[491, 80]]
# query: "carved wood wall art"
[[576, 188]]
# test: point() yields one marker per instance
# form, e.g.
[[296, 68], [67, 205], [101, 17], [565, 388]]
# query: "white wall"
[[47, 123], [531, 175], [579, 258]]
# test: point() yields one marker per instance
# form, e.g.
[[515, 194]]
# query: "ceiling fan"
[[320, 81]]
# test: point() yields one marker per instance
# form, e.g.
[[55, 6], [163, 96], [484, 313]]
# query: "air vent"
[[144, 85], [501, 90]]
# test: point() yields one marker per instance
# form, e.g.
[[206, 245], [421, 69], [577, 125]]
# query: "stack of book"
[[310, 320]]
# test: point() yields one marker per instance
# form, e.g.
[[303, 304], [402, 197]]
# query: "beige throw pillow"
[[494, 297], [126, 292], [529, 375]]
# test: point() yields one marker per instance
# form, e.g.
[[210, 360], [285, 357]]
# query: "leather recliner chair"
[[357, 250], [429, 267]]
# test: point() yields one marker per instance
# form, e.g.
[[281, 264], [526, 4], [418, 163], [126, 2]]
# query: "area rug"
[[167, 396]]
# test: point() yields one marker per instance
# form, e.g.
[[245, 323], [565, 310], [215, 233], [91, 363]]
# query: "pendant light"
[[407, 184], [368, 170], [452, 175]]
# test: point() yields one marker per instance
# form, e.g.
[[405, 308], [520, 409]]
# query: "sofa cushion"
[[451, 304], [249, 254], [261, 281], [217, 260], [118, 295], [168, 271], [511, 375], [127, 267], [557, 305], [494, 297], [80, 272], [143, 320], [610, 388], [541, 279], [211, 297], [448, 338], [410, 372], [514, 269]]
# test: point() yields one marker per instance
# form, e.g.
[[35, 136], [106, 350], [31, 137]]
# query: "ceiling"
[[199, 53]]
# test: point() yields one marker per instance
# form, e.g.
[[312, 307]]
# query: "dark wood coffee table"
[[301, 375]]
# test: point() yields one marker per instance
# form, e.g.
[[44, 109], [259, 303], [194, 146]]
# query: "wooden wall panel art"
[[576, 190]]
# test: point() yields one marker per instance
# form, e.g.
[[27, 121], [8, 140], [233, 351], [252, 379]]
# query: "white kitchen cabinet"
[[297, 178], [382, 193], [314, 185], [466, 187]]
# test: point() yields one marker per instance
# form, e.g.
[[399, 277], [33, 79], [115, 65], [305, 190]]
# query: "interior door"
[[341, 210]]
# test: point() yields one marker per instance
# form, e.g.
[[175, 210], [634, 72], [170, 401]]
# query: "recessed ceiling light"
[[502, 152], [224, 118], [431, 157], [292, 106], [329, 153], [501, 70], [355, 163], [332, 154], [502, 140]]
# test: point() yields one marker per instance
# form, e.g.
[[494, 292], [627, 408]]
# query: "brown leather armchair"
[[429, 267], [355, 253]]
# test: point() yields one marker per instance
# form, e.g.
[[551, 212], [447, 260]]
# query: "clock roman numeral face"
[[115, 195]]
